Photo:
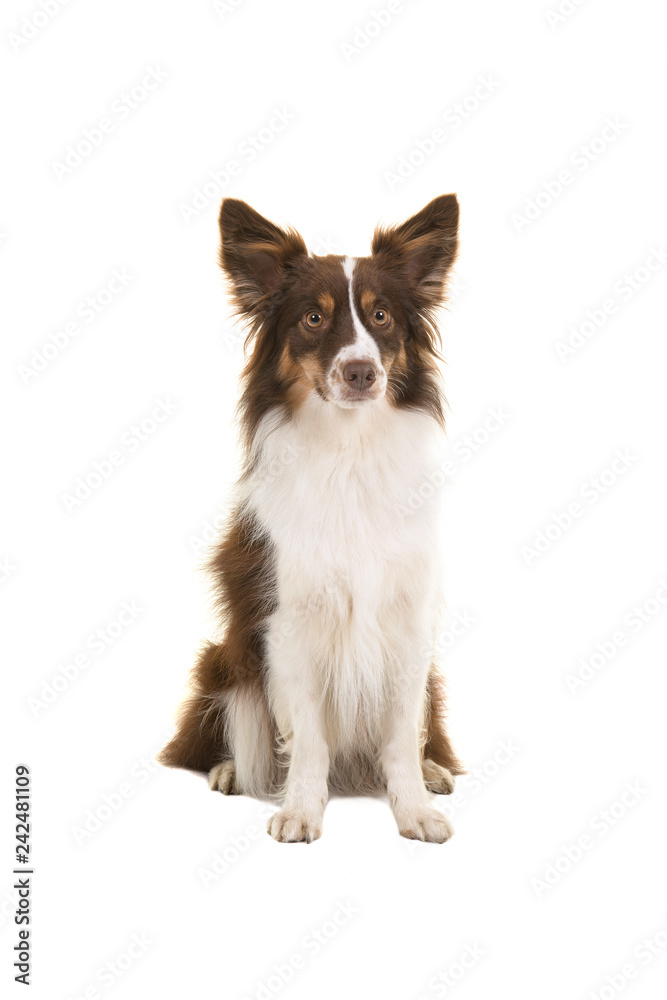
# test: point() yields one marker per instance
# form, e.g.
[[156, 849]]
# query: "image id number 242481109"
[[22, 915]]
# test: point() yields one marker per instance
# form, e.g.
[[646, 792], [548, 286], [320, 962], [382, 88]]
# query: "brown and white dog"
[[327, 577]]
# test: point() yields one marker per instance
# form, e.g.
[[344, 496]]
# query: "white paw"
[[438, 779], [291, 826], [222, 778], [428, 825]]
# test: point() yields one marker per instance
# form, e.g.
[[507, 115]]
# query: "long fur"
[[327, 580]]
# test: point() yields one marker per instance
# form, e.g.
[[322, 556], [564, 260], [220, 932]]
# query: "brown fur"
[[438, 747], [242, 570], [275, 284]]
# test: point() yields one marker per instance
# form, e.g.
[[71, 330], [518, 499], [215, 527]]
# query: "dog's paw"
[[222, 778], [291, 826], [428, 825], [437, 779]]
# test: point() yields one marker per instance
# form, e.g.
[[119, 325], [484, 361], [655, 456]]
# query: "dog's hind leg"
[[438, 748], [251, 740], [224, 727], [200, 740], [436, 778], [222, 778]]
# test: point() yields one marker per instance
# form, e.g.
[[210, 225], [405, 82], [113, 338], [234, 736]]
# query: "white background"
[[537, 923]]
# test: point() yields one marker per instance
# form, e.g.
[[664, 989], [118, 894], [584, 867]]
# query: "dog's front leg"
[[297, 704], [401, 761]]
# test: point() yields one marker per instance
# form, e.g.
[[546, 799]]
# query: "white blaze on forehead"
[[364, 346]]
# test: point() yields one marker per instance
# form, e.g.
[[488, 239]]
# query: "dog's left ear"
[[422, 249]]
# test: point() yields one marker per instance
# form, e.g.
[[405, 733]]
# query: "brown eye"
[[381, 317], [313, 320]]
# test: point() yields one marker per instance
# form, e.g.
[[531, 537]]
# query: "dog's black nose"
[[359, 374]]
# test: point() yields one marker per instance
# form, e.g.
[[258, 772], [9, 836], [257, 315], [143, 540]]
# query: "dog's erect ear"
[[255, 254], [422, 249]]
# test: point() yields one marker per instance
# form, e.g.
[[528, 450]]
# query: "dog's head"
[[351, 330]]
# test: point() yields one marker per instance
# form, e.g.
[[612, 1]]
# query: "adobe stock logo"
[[222, 7], [86, 312], [95, 644], [112, 801], [120, 110], [34, 23], [579, 161], [235, 848], [366, 33], [461, 452], [448, 979], [644, 954], [559, 14], [471, 784], [634, 621], [590, 493], [108, 974], [310, 945], [623, 290], [217, 182], [131, 441], [451, 120], [7, 569], [599, 827]]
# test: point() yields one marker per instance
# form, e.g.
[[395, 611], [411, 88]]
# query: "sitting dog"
[[327, 576]]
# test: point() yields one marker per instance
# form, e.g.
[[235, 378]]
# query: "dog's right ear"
[[255, 255]]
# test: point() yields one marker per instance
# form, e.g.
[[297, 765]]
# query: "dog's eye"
[[313, 320], [381, 317]]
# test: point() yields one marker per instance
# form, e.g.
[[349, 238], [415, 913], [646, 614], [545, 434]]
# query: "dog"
[[327, 579]]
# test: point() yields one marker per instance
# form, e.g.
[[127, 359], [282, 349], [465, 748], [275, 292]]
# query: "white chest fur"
[[345, 497]]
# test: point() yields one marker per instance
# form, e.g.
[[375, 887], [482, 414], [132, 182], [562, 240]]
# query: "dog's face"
[[351, 330]]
